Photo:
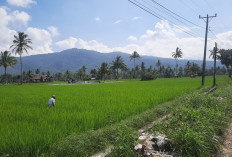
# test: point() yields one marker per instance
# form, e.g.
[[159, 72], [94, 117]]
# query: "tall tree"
[[137, 71], [158, 64], [187, 69], [68, 74], [215, 56], [168, 72], [21, 43], [81, 73], [117, 64], [48, 73], [103, 71], [29, 75], [180, 72], [7, 61], [134, 56], [176, 55], [195, 70], [225, 56], [93, 73], [143, 70], [37, 71]]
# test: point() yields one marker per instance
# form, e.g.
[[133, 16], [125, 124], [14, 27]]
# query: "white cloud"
[[97, 19], [224, 40], [72, 42], [136, 18], [41, 40], [21, 3], [19, 18], [6, 34], [161, 42], [132, 38], [117, 22], [67, 44], [54, 31]]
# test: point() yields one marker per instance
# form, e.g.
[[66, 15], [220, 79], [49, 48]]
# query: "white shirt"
[[51, 102]]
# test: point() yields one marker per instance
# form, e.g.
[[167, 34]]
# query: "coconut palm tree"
[[103, 70], [134, 56], [158, 64], [21, 44], [118, 63], [7, 60], [215, 56], [37, 71], [176, 55]]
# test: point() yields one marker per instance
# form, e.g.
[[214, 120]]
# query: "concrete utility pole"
[[215, 49], [206, 34]]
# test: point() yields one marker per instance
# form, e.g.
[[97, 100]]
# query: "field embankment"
[[199, 120]]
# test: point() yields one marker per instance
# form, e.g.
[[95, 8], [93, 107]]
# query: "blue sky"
[[116, 25]]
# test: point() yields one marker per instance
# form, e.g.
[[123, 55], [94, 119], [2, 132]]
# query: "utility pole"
[[215, 49], [206, 34]]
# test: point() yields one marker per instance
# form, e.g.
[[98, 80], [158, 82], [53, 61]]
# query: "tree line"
[[21, 44], [117, 69]]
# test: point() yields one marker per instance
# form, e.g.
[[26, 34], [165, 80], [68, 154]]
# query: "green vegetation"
[[28, 127], [7, 61], [118, 134], [198, 121]]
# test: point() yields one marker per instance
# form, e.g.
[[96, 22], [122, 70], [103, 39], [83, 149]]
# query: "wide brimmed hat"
[[54, 96]]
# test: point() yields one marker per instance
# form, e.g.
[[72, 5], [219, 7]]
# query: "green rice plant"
[[28, 127], [79, 144]]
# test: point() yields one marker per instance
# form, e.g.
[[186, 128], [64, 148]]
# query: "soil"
[[226, 148]]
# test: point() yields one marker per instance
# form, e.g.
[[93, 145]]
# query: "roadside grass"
[[196, 124]]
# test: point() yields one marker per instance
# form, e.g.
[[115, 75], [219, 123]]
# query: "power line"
[[194, 2], [167, 13], [145, 10], [198, 6], [215, 35], [159, 16], [175, 14], [183, 2], [214, 11]]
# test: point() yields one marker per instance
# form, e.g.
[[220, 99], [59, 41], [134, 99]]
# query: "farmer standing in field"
[[51, 102]]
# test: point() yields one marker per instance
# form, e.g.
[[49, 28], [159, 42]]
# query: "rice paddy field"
[[29, 126]]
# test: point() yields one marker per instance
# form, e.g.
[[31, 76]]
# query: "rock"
[[139, 148], [141, 139], [149, 144], [162, 142], [153, 146]]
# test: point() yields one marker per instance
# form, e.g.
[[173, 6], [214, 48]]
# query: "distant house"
[[42, 78]]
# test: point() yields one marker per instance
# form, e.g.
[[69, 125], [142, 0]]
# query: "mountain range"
[[73, 59]]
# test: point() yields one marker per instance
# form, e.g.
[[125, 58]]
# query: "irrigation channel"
[[86, 82]]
